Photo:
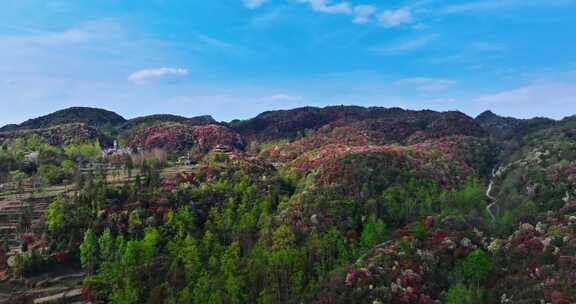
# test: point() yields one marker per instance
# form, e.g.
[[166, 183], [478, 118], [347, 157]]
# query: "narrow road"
[[489, 195]]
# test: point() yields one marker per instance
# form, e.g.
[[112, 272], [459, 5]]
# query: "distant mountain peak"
[[487, 114]]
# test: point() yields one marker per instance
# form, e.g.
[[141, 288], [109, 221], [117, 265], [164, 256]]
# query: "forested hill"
[[91, 116], [341, 204]]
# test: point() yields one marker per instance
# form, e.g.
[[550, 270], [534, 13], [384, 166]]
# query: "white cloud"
[[393, 18], [208, 44], [146, 75], [426, 84], [71, 36], [362, 13], [535, 93], [84, 34], [215, 43], [404, 46], [253, 4], [487, 47], [326, 6], [267, 18], [551, 95], [282, 98]]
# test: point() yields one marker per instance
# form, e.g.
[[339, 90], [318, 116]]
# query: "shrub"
[[419, 232], [461, 294], [476, 267], [373, 233]]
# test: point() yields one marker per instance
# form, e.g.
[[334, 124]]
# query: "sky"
[[236, 58]]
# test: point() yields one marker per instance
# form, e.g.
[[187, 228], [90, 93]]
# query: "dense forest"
[[311, 205]]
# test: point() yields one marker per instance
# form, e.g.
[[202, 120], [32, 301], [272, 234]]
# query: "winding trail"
[[489, 195]]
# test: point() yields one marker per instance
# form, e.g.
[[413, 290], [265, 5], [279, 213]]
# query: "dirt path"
[[489, 195]]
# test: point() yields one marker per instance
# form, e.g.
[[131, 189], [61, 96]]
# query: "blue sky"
[[237, 58]]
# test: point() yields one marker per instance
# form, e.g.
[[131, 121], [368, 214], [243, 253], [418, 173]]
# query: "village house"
[[115, 150], [186, 160], [222, 149]]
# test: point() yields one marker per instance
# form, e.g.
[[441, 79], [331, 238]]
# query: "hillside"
[[58, 135], [138, 123], [291, 124], [90, 116], [527, 252], [185, 137], [508, 128], [339, 204], [383, 127], [274, 125]]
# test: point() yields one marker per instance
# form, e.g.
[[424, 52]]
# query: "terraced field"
[[32, 205]]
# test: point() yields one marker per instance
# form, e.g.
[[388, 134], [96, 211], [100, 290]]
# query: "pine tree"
[[89, 251], [190, 257], [233, 281]]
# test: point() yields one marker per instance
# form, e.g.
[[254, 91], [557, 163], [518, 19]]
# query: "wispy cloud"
[[550, 95], [532, 94], [89, 32], [253, 4], [211, 45], [363, 13], [268, 17], [393, 18], [492, 5], [488, 47], [213, 42], [147, 75], [71, 36], [427, 84], [360, 13], [474, 55], [326, 6], [282, 98], [404, 46]]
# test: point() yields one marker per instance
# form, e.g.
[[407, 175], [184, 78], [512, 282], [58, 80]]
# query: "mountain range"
[[341, 204], [292, 124]]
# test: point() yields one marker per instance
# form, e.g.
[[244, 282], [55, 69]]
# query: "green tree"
[[50, 174], [181, 222], [462, 294], [233, 281], [18, 178], [134, 221], [191, 258], [57, 214], [89, 251], [149, 244], [283, 238], [126, 293], [476, 267], [374, 233], [419, 232], [205, 292], [108, 254], [68, 168]]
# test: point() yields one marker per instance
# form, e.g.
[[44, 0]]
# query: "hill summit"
[[93, 117]]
